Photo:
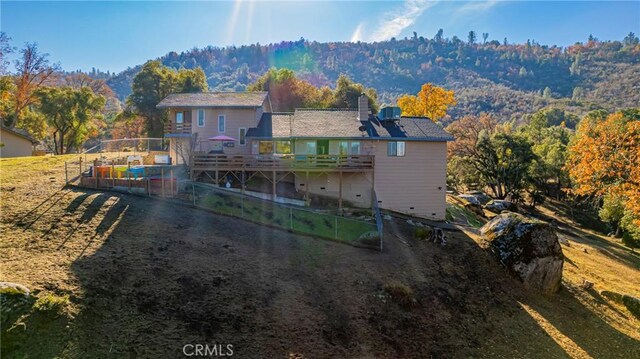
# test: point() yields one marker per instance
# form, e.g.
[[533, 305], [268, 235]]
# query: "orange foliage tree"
[[604, 159], [432, 102]]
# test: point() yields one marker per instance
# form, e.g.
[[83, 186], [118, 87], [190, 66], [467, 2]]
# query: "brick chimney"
[[363, 107]]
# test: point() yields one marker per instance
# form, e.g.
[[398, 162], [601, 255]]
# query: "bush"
[[422, 233], [51, 303], [401, 294]]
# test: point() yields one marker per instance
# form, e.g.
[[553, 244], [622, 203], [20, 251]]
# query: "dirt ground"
[[145, 277]]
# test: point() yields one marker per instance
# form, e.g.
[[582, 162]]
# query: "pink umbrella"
[[221, 138]]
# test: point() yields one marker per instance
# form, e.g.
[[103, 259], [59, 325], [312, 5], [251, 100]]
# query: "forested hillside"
[[505, 79]]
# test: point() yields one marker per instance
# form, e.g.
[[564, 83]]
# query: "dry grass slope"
[[144, 277]]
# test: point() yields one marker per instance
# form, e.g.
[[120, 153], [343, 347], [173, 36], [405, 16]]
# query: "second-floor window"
[[179, 117], [221, 123], [242, 133], [395, 148], [201, 118]]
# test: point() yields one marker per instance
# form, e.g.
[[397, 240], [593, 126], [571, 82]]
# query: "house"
[[398, 163], [15, 142]]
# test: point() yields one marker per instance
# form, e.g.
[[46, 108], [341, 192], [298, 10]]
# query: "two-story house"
[[347, 154]]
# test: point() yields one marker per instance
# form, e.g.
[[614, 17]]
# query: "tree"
[[5, 50], [347, 92], [128, 124], [604, 160], [503, 162], [547, 93], [432, 102], [286, 91], [485, 36], [439, 36], [631, 40], [155, 82], [471, 37], [33, 70], [70, 114]]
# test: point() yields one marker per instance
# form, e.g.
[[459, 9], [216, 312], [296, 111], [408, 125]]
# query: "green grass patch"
[[285, 217], [455, 212]]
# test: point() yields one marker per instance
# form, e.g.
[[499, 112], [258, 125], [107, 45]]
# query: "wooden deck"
[[310, 163], [177, 128]]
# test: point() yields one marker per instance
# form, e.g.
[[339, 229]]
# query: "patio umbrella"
[[222, 138]]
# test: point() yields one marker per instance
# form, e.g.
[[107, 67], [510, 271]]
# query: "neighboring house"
[[15, 142], [347, 154]]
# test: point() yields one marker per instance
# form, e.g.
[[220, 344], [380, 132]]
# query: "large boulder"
[[498, 205], [528, 248]]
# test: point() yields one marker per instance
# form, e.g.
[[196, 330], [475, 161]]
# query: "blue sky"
[[115, 35]]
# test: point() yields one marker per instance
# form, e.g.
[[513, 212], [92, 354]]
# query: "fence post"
[[66, 176], [291, 218], [241, 206], [336, 226], [193, 190], [80, 166], [162, 179]]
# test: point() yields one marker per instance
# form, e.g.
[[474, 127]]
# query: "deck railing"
[[206, 162], [177, 128]]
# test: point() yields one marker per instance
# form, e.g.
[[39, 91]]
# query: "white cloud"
[[477, 6], [400, 19], [357, 33]]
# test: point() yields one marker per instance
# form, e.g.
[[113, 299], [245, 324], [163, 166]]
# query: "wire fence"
[[361, 232]]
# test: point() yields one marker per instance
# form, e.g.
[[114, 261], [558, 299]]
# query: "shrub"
[[422, 233], [401, 294], [51, 303]]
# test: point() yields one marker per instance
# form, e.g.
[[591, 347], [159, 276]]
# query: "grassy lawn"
[[289, 218]]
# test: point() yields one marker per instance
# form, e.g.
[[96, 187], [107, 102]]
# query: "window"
[[266, 147], [343, 147], [395, 148], [242, 133], [306, 147], [355, 148], [283, 147], [221, 123], [179, 117], [201, 118]]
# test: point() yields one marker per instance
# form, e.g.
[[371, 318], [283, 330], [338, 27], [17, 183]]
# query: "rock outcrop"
[[498, 205], [528, 248]]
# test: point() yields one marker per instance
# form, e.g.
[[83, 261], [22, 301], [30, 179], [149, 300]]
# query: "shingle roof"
[[305, 123], [19, 132], [214, 99]]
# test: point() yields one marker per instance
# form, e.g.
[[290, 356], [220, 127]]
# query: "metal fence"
[[361, 232], [131, 145]]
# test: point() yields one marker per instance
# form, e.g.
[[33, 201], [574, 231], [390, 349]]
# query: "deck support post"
[[217, 180], [340, 191], [162, 180], [273, 186], [242, 182], [306, 186]]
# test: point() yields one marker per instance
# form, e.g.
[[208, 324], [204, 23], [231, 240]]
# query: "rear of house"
[[398, 163]]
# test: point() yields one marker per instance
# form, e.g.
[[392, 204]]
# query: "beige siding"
[[14, 146], [356, 187], [416, 180]]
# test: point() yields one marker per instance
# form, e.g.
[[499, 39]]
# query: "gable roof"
[[214, 99], [340, 123], [20, 133]]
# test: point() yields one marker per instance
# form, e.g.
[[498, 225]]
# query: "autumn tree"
[[33, 70], [70, 114], [604, 162], [286, 91], [432, 102]]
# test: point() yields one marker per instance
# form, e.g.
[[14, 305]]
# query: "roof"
[[20, 133], [214, 99], [340, 123]]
